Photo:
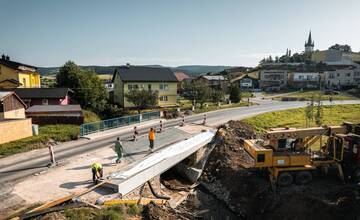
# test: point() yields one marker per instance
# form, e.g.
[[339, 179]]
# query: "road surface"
[[21, 165]]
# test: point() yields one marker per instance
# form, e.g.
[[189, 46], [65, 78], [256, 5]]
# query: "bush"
[[90, 116]]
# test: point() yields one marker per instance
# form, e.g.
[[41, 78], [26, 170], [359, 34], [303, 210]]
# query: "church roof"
[[309, 42]]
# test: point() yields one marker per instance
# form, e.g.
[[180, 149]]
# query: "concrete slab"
[[136, 174]]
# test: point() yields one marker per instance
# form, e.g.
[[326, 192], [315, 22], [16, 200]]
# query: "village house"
[[163, 80], [14, 74], [45, 96], [305, 80], [181, 77], [272, 80], [246, 81], [11, 106], [344, 77], [214, 81], [13, 124]]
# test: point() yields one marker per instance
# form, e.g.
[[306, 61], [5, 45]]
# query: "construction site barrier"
[[93, 127]]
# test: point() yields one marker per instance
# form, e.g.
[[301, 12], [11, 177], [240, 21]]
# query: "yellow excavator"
[[288, 155]]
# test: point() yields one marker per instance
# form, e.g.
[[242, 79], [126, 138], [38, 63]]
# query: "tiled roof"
[[54, 108], [145, 74], [42, 93], [14, 65], [181, 76]]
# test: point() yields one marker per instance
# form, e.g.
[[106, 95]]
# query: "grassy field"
[[308, 95], [208, 106], [334, 115], [60, 133]]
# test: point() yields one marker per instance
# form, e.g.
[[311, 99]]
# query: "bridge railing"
[[93, 127]]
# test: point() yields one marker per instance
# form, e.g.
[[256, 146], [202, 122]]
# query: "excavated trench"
[[228, 191]]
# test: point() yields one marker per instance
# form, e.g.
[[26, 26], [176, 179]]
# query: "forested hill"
[[193, 70]]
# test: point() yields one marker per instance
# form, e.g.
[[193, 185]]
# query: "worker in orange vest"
[[151, 138]]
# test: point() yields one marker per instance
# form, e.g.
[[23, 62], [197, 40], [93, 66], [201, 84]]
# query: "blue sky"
[[171, 32]]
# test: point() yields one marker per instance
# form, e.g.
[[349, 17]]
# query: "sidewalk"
[[76, 174]]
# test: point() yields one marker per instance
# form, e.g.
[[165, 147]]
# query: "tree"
[[319, 112], [309, 112], [217, 96], [142, 99], [235, 95], [89, 90], [344, 47], [197, 92]]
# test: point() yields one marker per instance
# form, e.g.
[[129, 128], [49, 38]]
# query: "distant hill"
[[193, 70]]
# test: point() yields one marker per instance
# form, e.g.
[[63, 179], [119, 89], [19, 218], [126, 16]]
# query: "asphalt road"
[[18, 166]]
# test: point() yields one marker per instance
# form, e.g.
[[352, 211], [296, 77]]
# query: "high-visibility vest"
[[96, 166], [152, 135]]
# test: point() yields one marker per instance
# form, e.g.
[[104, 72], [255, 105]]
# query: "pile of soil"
[[248, 192], [155, 212]]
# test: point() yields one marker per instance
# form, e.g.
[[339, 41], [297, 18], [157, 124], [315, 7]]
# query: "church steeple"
[[309, 45]]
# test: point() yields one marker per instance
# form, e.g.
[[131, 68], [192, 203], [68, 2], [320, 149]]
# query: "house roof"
[[53, 108], [144, 74], [14, 81], [181, 76], [42, 93], [5, 94], [213, 77], [14, 65], [243, 76]]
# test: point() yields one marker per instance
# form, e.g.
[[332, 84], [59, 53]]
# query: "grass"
[[333, 115], [186, 104], [308, 95], [60, 133], [110, 213]]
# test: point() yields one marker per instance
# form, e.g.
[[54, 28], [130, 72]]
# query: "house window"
[[338, 74], [24, 82], [163, 98], [149, 86], [348, 74], [1, 107], [164, 87], [45, 101], [132, 87]]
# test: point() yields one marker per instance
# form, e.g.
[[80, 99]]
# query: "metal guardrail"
[[93, 127]]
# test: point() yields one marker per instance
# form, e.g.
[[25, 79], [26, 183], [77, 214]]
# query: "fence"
[[104, 125]]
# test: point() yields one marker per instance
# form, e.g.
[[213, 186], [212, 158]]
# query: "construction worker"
[[97, 172], [119, 150], [151, 138]]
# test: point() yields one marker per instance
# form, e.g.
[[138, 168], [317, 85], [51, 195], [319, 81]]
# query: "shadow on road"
[[24, 169], [73, 185]]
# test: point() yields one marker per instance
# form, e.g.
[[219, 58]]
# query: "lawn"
[[333, 115], [308, 95], [60, 133], [208, 106]]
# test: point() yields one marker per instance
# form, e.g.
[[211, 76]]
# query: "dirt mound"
[[248, 193], [155, 212]]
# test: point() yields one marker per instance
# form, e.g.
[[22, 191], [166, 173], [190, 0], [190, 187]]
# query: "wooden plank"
[[66, 198]]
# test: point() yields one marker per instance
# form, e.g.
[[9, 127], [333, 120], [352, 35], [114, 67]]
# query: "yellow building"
[[14, 75], [128, 78]]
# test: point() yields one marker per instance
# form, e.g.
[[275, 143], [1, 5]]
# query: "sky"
[[171, 32]]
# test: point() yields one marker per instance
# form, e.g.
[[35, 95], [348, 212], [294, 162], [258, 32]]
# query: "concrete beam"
[[157, 163]]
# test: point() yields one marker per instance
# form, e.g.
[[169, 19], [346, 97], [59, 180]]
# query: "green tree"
[[197, 92], [217, 96], [235, 95], [142, 99], [89, 90], [309, 112], [319, 112]]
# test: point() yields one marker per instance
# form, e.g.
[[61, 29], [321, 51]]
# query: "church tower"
[[309, 45]]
